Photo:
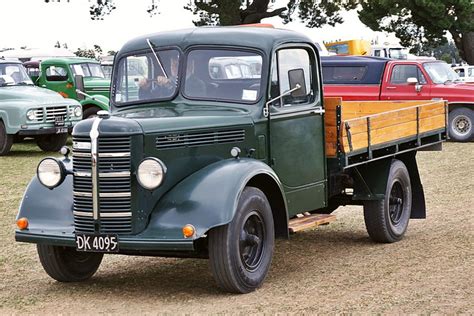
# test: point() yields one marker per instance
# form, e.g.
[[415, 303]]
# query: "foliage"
[[89, 53], [419, 23]]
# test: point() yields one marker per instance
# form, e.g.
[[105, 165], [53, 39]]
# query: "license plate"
[[61, 130], [59, 120], [97, 242]]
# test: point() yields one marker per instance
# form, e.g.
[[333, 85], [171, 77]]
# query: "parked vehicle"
[[350, 47], [219, 167], [66, 75], [107, 64], [370, 78], [29, 111], [389, 51], [465, 73]]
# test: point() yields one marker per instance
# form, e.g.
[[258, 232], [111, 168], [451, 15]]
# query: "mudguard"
[[97, 100], [48, 209], [206, 199]]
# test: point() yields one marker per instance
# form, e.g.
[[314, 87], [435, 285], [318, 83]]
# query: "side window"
[[290, 60], [401, 73], [377, 53], [56, 73]]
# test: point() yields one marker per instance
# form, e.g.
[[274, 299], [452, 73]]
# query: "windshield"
[[398, 53], [441, 72], [13, 74], [223, 75], [140, 77], [88, 70]]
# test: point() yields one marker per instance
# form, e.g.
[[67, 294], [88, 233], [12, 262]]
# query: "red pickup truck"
[[373, 78]]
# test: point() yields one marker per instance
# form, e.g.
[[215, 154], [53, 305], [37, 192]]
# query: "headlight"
[[78, 111], [151, 172], [51, 172], [31, 115]]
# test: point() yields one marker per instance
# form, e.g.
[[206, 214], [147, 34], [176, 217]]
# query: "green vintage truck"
[[196, 164], [29, 111], [66, 75]]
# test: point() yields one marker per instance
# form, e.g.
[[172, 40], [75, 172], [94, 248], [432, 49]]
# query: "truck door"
[[58, 78], [395, 86], [297, 130]]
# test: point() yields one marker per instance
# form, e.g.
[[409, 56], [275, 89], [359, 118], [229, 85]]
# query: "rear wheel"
[[461, 124], [6, 140], [51, 142], [241, 252], [387, 220], [65, 264]]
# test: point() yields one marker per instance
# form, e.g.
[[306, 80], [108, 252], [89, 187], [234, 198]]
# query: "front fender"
[[48, 209], [98, 100], [206, 199]]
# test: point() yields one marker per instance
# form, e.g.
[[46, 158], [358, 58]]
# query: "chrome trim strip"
[[94, 135], [84, 194], [83, 214], [113, 155], [83, 174], [81, 154], [115, 194], [116, 214], [120, 174]]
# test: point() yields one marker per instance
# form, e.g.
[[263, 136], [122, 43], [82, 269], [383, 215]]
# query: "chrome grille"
[[199, 139], [114, 185], [57, 111], [38, 114]]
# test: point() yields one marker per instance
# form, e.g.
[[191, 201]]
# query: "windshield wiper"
[[24, 83], [157, 58]]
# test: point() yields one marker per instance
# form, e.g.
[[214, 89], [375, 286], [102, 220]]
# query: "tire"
[[387, 220], [90, 112], [65, 264], [240, 260], [461, 124], [6, 140], [51, 142]]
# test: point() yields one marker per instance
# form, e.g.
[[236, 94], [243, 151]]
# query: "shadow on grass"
[[152, 278]]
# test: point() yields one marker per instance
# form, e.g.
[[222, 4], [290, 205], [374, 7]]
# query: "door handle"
[[391, 88]]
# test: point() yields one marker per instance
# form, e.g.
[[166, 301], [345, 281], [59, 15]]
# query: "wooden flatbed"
[[362, 131]]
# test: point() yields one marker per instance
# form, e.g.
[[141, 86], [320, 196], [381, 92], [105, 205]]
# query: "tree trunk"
[[467, 47]]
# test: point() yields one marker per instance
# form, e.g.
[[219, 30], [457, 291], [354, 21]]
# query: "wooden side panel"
[[330, 128]]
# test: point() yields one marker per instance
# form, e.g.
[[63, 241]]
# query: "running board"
[[305, 221]]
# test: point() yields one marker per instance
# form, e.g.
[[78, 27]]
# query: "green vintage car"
[[66, 75], [29, 111], [191, 163]]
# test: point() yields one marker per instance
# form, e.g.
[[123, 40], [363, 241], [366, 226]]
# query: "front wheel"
[[461, 124], [241, 252], [51, 142], [387, 220], [6, 140], [65, 264], [90, 112]]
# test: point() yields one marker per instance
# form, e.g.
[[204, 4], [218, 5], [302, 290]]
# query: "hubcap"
[[251, 241], [462, 125], [396, 203]]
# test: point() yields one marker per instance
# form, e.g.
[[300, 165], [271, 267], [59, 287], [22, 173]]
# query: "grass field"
[[332, 269]]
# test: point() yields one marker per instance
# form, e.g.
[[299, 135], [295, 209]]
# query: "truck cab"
[[66, 75], [192, 164], [30, 111]]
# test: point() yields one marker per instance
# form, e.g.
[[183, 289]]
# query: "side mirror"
[[412, 81], [79, 83], [296, 78]]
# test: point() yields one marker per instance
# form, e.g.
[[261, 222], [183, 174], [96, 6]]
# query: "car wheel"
[[241, 252], [6, 140], [90, 112], [65, 264], [51, 142], [387, 220], [461, 124]]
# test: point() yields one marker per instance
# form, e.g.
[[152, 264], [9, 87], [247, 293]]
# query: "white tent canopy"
[[36, 53]]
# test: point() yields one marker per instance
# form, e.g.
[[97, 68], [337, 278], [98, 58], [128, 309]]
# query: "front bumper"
[[41, 131], [126, 243]]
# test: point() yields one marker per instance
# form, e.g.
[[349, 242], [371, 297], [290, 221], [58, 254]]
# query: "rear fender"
[[208, 198], [97, 100]]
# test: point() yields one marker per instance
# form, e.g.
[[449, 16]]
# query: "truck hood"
[[458, 92], [187, 117], [32, 95]]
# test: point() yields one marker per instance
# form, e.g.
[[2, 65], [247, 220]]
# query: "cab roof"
[[262, 38], [69, 60]]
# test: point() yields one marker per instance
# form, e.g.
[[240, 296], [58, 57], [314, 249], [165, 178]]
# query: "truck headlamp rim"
[[77, 111], [31, 115], [51, 172], [150, 173]]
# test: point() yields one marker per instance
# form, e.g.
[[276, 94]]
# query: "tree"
[[87, 53], [419, 23]]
